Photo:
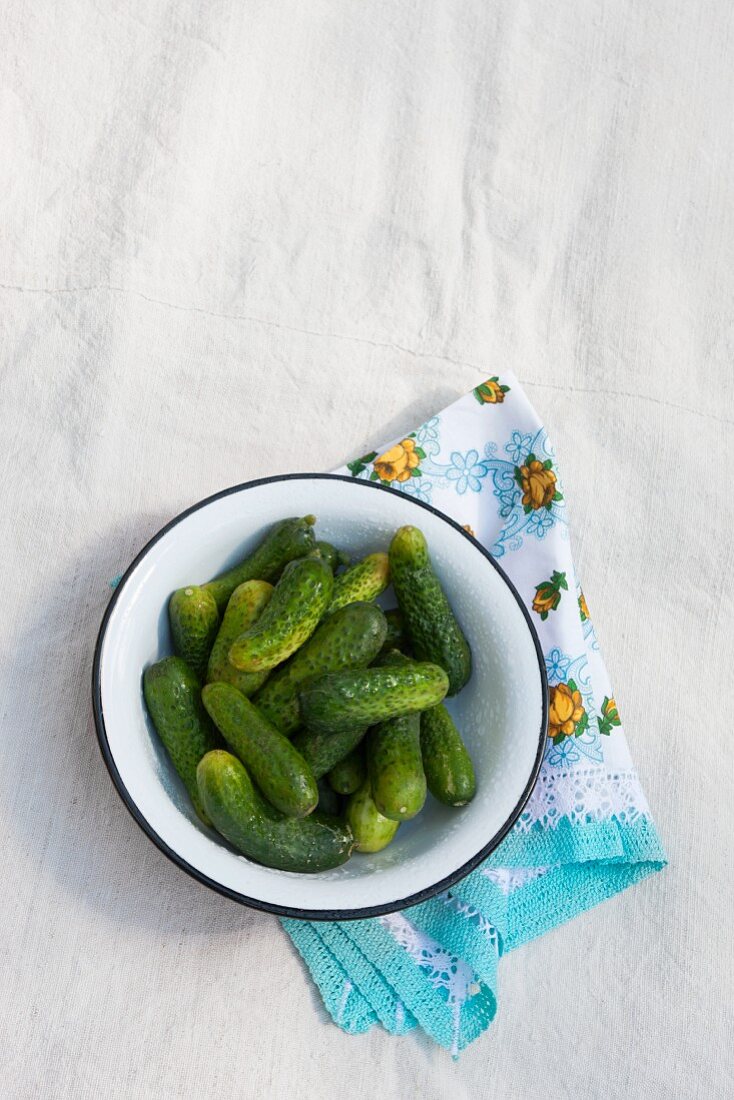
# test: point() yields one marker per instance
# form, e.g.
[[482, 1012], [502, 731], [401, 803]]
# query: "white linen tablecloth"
[[239, 238]]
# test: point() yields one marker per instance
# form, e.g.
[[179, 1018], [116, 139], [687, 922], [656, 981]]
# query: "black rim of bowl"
[[256, 903]]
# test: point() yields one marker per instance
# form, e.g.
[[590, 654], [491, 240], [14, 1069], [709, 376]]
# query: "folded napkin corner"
[[585, 834]]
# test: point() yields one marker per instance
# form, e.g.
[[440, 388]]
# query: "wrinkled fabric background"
[[241, 238]]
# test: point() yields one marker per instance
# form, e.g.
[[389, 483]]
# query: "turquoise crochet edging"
[[631, 839], [365, 977]]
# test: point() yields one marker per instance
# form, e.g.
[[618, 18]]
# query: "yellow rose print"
[[566, 711], [545, 599], [392, 463], [583, 607], [491, 392], [538, 485], [609, 716], [400, 463], [548, 594]]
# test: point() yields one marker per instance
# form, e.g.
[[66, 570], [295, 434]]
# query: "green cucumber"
[[372, 831], [350, 638], [285, 541], [279, 770], [243, 817], [245, 605], [322, 750], [333, 557], [432, 627], [300, 598], [363, 697], [364, 581], [393, 657], [348, 775], [173, 698], [396, 637], [395, 767], [194, 621], [446, 761]]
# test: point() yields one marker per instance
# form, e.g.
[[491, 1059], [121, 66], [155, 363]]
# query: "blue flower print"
[[564, 753], [508, 498], [418, 488], [428, 432], [467, 471], [539, 523], [557, 665], [518, 447]]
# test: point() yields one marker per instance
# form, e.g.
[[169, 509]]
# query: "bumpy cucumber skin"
[[284, 542], [300, 598], [432, 627], [395, 767], [173, 698], [331, 555], [350, 638], [348, 775], [246, 603], [393, 657], [194, 621], [322, 750], [363, 697], [279, 770], [364, 581], [446, 761], [396, 637], [308, 845], [372, 831]]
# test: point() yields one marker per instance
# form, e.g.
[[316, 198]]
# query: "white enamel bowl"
[[502, 712]]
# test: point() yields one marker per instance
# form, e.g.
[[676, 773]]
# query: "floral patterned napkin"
[[586, 833]]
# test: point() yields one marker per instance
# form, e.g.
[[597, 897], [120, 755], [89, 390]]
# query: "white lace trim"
[[470, 912], [582, 795], [442, 969], [511, 878]]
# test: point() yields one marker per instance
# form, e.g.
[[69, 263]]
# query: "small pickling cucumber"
[[350, 638], [363, 697], [279, 770], [245, 605], [322, 750], [372, 831], [300, 598], [446, 761], [243, 817], [393, 657], [396, 637], [364, 581], [285, 541], [331, 555], [348, 775], [430, 623], [173, 697], [395, 767], [194, 621]]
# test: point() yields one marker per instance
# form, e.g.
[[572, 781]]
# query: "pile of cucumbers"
[[304, 721]]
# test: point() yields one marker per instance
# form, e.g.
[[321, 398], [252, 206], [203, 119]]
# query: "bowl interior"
[[500, 712]]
